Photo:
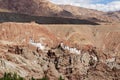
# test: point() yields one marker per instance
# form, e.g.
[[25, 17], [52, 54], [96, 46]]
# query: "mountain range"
[[48, 9], [40, 39]]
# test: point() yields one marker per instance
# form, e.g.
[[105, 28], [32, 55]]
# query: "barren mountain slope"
[[88, 52], [16, 17], [105, 37], [33, 7], [46, 8], [72, 52], [20, 33], [115, 15], [89, 14]]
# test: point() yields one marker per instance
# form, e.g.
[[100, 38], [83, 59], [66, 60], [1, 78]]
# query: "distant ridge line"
[[16, 17]]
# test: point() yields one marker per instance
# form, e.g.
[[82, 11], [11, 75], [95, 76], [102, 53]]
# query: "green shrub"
[[32, 78], [44, 78], [60, 78], [10, 76]]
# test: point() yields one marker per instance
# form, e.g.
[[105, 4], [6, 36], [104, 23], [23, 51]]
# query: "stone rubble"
[[57, 62]]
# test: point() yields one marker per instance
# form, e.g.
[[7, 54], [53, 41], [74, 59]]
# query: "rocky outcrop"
[[73, 52], [55, 63]]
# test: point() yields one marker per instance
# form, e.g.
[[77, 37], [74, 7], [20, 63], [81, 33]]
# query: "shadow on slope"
[[15, 17]]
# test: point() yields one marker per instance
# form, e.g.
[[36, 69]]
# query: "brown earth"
[[33, 7], [100, 41], [46, 8], [16, 17], [99, 45], [98, 35], [20, 33], [115, 15], [89, 14]]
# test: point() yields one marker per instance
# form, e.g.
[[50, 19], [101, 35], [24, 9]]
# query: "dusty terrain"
[[99, 48], [89, 14], [84, 46], [96, 35], [48, 9], [33, 7]]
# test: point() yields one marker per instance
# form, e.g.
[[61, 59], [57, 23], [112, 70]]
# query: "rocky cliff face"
[[56, 62], [29, 63]]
